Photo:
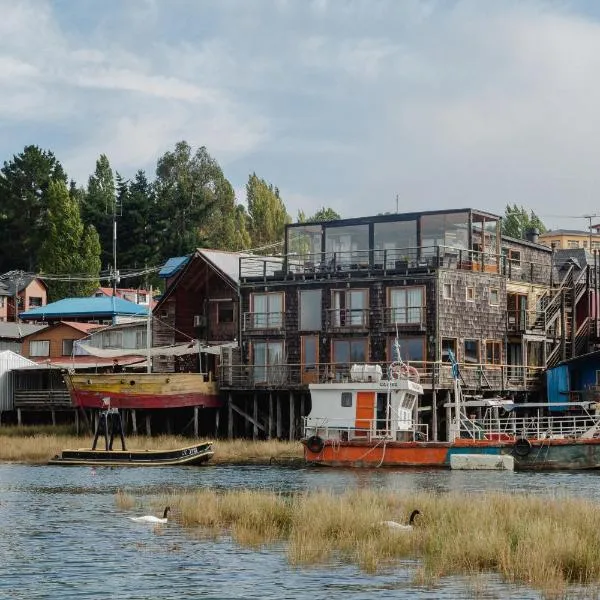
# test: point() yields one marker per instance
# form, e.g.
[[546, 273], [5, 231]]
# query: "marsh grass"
[[547, 543], [40, 444]]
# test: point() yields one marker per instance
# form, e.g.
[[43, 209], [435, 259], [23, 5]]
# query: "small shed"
[[576, 380], [8, 361]]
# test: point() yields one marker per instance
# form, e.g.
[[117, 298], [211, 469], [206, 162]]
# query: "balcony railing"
[[394, 260], [255, 321], [408, 317], [347, 318]]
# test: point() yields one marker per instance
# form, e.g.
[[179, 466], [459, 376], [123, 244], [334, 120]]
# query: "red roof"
[[83, 327]]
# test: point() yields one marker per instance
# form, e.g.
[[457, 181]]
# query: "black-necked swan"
[[398, 526], [152, 518]]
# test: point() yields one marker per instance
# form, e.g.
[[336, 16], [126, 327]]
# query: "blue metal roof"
[[103, 306], [172, 266]]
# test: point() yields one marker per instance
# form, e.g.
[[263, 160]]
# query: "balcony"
[[347, 319], [255, 322], [405, 318]]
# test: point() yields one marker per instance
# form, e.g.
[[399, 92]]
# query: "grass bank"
[[39, 444], [545, 543]]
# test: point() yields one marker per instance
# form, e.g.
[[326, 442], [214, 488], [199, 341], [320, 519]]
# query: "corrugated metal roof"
[[102, 306], [17, 331], [227, 262], [172, 266]]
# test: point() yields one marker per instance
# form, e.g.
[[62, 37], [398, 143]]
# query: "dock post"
[[134, 421], [217, 421], [148, 425], [53, 413], [76, 422], [195, 421], [434, 418], [229, 417], [278, 417], [292, 431], [255, 416], [448, 417], [19, 418], [270, 426]]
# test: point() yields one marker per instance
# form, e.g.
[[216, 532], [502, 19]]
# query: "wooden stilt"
[[196, 429], [434, 417], [169, 425], [53, 414], [229, 417], [134, 421], [217, 421], [148, 425], [255, 416], [76, 422], [278, 417], [292, 432], [270, 423], [448, 416], [95, 420], [19, 417]]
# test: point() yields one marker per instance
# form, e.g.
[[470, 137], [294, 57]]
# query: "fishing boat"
[[110, 425], [372, 421]]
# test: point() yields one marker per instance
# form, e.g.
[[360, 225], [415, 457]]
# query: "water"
[[62, 535]]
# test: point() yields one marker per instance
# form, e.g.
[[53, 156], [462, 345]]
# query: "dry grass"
[[541, 542], [40, 444]]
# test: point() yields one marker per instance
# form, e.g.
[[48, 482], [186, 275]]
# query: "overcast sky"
[[342, 103]]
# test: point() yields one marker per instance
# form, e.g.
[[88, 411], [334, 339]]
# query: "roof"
[[7, 286], [17, 331], [226, 262], [566, 232], [529, 243], [83, 327], [589, 355], [101, 306], [108, 291], [172, 266]]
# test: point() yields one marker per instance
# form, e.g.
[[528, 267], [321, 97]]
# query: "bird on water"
[[152, 518], [398, 526]]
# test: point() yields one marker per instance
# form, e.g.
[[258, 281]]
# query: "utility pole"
[[397, 204], [17, 278], [589, 218], [115, 273]]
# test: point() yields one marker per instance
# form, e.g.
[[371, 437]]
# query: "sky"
[[340, 103]]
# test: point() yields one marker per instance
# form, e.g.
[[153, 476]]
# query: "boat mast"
[[149, 334]]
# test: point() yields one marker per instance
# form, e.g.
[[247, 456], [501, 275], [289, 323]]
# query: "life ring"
[[522, 447], [315, 444], [404, 371]]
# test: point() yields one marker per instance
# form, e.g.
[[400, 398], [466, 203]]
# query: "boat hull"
[[190, 455], [543, 455], [143, 390]]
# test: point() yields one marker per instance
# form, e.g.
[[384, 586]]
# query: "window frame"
[[497, 292], [348, 311], [450, 294], [470, 288], [478, 357], [496, 360], [37, 354], [407, 309], [300, 324], [72, 340], [278, 324], [228, 305]]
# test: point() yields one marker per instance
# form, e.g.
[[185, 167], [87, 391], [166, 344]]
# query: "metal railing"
[[371, 429], [265, 320], [404, 317], [348, 318]]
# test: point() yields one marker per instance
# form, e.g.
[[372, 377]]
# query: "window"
[[267, 360], [267, 310], [410, 348], [1, 301], [39, 348], [406, 305], [67, 347], [113, 339], [512, 256], [471, 351], [310, 310], [447, 291], [346, 399], [348, 244], [34, 301], [595, 245], [140, 339], [448, 346], [494, 296], [224, 312], [572, 244], [470, 294], [142, 298], [493, 352], [349, 308], [349, 351]]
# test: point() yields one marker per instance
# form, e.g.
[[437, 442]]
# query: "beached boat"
[[370, 421]]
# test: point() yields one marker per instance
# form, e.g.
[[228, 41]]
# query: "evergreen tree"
[[518, 221], [24, 183], [69, 248], [266, 210]]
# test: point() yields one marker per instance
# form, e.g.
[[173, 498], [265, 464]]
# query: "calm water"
[[62, 536]]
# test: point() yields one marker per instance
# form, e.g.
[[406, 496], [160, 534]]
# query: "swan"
[[152, 518], [398, 526]]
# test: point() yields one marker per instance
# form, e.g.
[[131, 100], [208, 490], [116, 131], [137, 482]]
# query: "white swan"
[[152, 518], [398, 526]]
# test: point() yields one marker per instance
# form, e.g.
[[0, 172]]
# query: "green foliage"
[[325, 214], [69, 248], [518, 221], [266, 210], [24, 182]]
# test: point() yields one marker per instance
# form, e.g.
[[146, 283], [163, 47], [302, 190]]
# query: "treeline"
[[50, 224]]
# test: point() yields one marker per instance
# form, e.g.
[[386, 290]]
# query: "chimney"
[[532, 235]]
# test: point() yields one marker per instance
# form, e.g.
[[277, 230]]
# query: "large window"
[[394, 241], [267, 310], [268, 360], [448, 346], [39, 348], [35, 301], [410, 348], [67, 347], [493, 352], [304, 240], [349, 351], [350, 308], [113, 339], [471, 351], [406, 305], [310, 310], [444, 230], [346, 245], [225, 312]]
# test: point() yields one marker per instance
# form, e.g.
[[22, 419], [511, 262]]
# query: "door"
[[365, 411], [310, 359]]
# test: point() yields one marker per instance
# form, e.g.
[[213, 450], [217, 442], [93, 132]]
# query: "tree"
[[518, 221], [189, 187], [325, 214], [98, 205], [266, 210], [24, 183], [69, 248]]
